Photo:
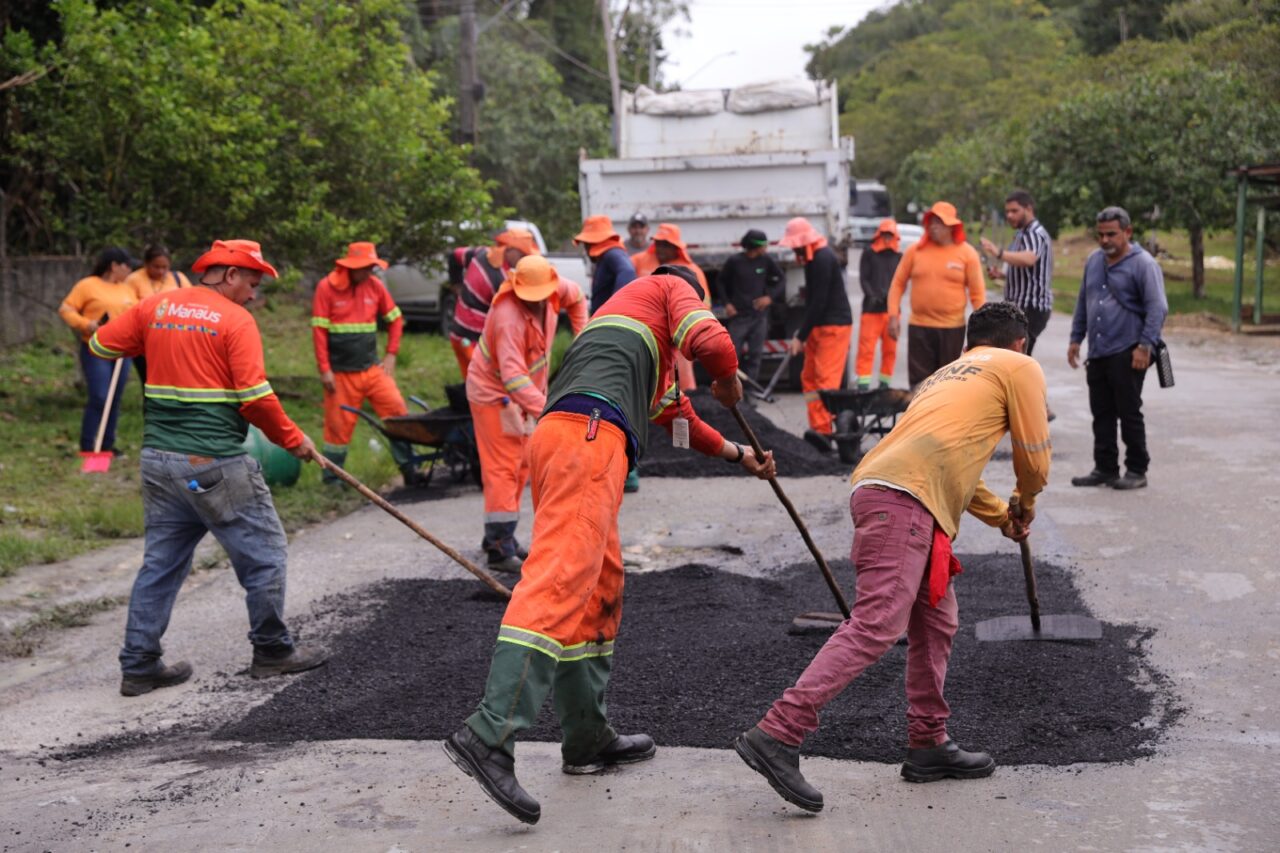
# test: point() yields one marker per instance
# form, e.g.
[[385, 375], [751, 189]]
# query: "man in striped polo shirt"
[[1028, 272]]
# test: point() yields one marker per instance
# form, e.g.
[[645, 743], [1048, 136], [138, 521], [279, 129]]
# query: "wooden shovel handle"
[[1028, 573]]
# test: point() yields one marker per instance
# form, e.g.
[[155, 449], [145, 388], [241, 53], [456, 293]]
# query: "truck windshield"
[[872, 204]]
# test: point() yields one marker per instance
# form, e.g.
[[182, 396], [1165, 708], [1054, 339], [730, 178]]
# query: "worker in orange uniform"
[[827, 326], [207, 384], [507, 389], [345, 311], [941, 268], [559, 628], [480, 282], [669, 248], [611, 266], [875, 273]]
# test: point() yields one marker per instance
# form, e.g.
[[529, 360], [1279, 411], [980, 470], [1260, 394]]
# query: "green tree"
[[1157, 143]]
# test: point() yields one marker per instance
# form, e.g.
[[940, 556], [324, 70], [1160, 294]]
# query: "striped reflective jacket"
[[344, 322], [205, 374]]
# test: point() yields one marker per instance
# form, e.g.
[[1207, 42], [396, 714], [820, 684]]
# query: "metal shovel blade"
[[1053, 628], [815, 623]]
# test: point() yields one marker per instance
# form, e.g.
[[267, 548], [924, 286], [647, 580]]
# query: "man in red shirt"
[[559, 628], [206, 384]]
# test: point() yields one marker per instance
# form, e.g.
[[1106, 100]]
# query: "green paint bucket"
[[279, 466]]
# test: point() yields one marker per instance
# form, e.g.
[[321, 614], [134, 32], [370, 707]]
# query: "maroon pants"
[[893, 534]]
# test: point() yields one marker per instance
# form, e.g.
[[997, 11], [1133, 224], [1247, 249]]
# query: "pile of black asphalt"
[[703, 653]]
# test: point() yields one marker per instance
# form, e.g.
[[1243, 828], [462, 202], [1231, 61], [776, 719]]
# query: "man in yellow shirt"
[[941, 268], [908, 494]]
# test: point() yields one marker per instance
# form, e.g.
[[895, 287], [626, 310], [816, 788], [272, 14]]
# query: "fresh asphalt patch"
[[703, 653]]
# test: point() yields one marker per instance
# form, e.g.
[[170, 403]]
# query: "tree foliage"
[[300, 123]]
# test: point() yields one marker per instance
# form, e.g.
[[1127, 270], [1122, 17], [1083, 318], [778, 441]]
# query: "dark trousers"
[[748, 331], [1037, 319], [97, 376], [929, 349], [1115, 393]]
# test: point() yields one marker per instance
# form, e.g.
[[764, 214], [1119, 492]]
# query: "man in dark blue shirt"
[[1121, 310], [613, 266]]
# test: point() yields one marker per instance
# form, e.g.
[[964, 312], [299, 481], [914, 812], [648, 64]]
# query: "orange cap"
[[361, 255], [800, 233], [595, 229], [668, 233], [534, 279], [518, 238], [246, 254]]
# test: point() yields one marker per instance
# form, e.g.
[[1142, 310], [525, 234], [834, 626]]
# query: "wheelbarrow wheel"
[[848, 437]]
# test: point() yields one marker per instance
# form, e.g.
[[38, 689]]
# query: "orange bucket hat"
[[945, 211], [518, 238], [668, 233], [799, 233], [246, 254], [596, 229], [534, 279], [361, 255]]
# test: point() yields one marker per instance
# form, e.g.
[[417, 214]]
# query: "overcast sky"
[[766, 38]]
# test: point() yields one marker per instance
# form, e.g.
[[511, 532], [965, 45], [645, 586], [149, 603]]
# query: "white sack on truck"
[[703, 102], [774, 95]]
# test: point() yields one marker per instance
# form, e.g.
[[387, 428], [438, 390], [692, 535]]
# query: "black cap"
[[638, 218], [754, 239], [681, 272]]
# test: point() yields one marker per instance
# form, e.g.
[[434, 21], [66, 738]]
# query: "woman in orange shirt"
[[90, 304], [156, 275]]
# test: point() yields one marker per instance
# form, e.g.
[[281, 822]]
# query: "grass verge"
[[22, 641]]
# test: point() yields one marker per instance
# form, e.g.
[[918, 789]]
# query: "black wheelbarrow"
[[438, 438], [862, 413]]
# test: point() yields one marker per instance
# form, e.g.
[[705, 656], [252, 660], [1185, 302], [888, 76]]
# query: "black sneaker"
[[946, 760], [779, 764], [495, 771], [165, 676], [623, 749], [299, 659], [1095, 478], [820, 442], [1129, 481], [510, 563]]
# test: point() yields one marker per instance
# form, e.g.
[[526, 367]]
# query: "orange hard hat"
[[595, 229], [533, 278], [361, 255], [246, 254], [887, 226]]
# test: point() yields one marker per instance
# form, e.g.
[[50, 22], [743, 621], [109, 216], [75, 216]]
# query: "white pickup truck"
[[426, 293]]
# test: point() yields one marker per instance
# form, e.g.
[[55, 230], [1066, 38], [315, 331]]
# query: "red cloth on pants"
[[826, 350], [504, 463], [570, 588], [352, 390], [872, 328], [893, 535]]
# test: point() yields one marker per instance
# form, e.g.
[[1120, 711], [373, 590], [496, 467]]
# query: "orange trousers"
[[462, 352], [569, 600], [873, 328], [504, 463], [352, 390], [826, 351]]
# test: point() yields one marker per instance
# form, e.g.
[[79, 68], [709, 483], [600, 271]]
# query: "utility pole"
[[615, 86], [467, 72]]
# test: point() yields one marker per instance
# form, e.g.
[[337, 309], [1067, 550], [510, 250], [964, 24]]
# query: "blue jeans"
[[97, 375], [231, 501]]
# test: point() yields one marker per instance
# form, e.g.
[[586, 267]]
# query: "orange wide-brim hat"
[[361, 255], [799, 233], [596, 229], [668, 233], [246, 254], [945, 212], [518, 238], [534, 279]]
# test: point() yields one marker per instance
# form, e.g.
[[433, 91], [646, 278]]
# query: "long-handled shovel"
[[98, 461], [756, 389], [386, 505], [1034, 626], [777, 374], [805, 622]]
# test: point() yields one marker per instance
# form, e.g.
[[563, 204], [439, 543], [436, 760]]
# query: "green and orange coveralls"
[[559, 628], [344, 330]]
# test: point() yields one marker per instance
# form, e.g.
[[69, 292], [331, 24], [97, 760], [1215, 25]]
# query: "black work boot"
[[946, 760], [297, 659], [495, 771], [780, 765], [818, 441], [1129, 481], [1095, 478], [500, 545], [164, 676], [623, 749]]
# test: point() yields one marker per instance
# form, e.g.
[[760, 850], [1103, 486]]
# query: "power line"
[[564, 54]]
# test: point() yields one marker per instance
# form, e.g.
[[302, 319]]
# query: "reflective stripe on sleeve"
[[392, 315], [538, 364], [690, 320], [517, 382], [484, 348], [320, 322], [530, 640], [1033, 448], [96, 347], [207, 395]]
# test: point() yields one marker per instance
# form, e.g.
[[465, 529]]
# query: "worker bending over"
[[344, 324], [908, 494], [507, 389], [559, 628], [827, 326]]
